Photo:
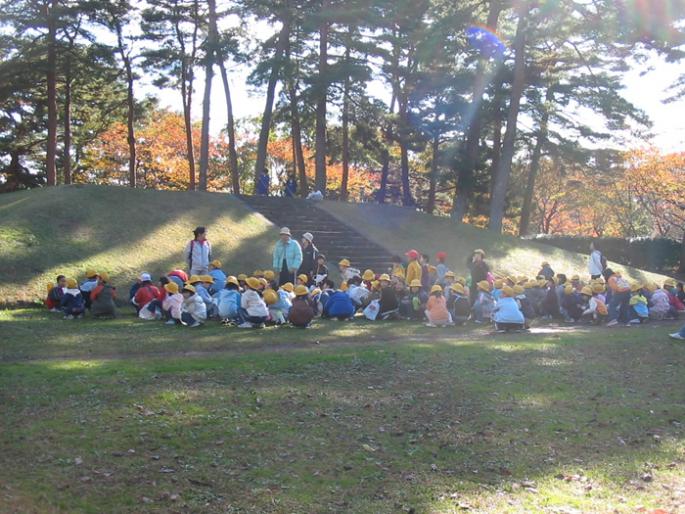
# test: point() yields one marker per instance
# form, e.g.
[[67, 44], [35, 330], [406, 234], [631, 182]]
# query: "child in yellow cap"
[[218, 276], [73, 304], [484, 303], [254, 311], [436, 308], [458, 304], [88, 285], [412, 305], [55, 294]]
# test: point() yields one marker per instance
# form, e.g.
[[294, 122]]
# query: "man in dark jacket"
[[309, 254]]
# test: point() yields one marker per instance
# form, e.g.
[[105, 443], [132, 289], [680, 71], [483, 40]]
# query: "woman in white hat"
[[287, 256], [309, 253]]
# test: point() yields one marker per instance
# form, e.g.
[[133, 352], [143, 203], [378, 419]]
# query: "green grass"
[[400, 229], [65, 230], [375, 418]]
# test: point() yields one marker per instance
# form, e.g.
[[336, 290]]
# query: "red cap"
[[412, 254], [441, 256]]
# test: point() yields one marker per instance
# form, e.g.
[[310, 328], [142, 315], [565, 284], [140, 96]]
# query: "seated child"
[[218, 276], [301, 313], [276, 316], [146, 292], [389, 305], [526, 307], [358, 292], [88, 285], [55, 294], [338, 305], [102, 298], [596, 310], [484, 304], [227, 301], [302, 280], [347, 271], [413, 304], [639, 311], [193, 310], [507, 315], [270, 277], [172, 305], [436, 308], [458, 304], [659, 304], [72, 304], [549, 308], [253, 309], [572, 304], [497, 289], [670, 287]]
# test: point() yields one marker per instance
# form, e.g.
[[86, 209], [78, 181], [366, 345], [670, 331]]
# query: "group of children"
[[417, 291]]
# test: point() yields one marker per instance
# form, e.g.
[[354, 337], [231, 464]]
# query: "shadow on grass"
[[360, 430]]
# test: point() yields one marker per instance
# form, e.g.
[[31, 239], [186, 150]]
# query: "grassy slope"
[[561, 423], [399, 229], [65, 230]]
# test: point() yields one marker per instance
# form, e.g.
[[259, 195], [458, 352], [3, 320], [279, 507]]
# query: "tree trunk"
[[130, 102], [230, 129], [681, 269], [535, 164], [499, 191], [385, 169], [345, 134], [270, 93], [407, 199], [430, 204], [50, 165], [322, 91], [206, 101], [496, 136], [465, 178], [296, 133], [67, 122]]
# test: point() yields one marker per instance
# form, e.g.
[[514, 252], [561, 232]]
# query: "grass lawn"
[[115, 417]]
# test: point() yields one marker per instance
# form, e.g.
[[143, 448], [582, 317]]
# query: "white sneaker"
[[195, 324], [634, 322], [432, 325], [170, 322], [55, 309], [612, 323], [677, 336], [247, 324], [69, 317]]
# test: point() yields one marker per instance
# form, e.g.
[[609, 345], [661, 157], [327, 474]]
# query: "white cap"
[[145, 277], [308, 236], [285, 231]]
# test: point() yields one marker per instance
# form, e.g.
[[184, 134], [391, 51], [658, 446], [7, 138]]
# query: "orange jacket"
[[618, 284], [98, 289], [437, 308]]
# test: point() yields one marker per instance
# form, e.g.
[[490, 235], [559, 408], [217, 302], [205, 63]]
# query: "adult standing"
[[263, 183], [309, 254], [291, 186], [198, 252], [287, 256], [479, 270], [597, 263]]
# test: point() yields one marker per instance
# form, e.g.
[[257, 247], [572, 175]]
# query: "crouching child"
[[301, 313], [194, 310], [72, 304]]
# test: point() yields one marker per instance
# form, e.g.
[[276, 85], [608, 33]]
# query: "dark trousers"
[[286, 275]]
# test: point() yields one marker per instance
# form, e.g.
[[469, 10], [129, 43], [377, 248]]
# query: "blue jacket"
[[227, 302], [72, 301], [284, 303], [203, 293], [292, 253], [507, 311], [339, 305]]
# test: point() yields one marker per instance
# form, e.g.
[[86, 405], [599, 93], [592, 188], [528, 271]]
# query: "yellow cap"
[[449, 274], [315, 291], [368, 275], [598, 288], [171, 287], [544, 263], [242, 277], [304, 278], [71, 283], [568, 290], [635, 287], [263, 282], [669, 282], [253, 283], [384, 276], [499, 283], [436, 289], [343, 286], [270, 296], [188, 287], [478, 250], [207, 278], [518, 289], [269, 274], [531, 284], [104, 277], [301, 291], [288, 286], [91, 273], [233, 280], [575, 277], [587, 291], [460, 280], [344, 263], [399, 273], [258, 273], [484, 285], [457, 288], [415, 283], [375, 285], [508, 291], [216, 263], [194, 279], [432, 269]]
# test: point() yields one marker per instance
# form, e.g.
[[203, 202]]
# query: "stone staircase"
[[332, 237]]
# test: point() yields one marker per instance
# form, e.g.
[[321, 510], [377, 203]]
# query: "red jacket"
[[146, 294]]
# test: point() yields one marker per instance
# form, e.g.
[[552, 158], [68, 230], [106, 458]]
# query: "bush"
[[655, 254]]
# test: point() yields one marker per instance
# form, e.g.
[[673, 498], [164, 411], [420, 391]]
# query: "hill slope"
[[399, 229], [64, 230]]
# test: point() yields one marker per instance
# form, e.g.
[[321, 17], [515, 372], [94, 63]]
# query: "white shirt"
[[595, 263]]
